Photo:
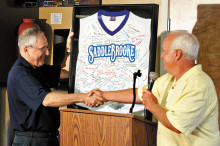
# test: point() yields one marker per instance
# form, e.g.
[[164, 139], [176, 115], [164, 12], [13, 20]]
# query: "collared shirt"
[[192, 108], [27, 87]]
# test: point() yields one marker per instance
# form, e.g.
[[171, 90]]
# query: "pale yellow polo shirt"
[[192, 106]]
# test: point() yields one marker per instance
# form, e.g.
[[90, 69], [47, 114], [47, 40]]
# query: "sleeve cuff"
[[174, 123], [140, 92]]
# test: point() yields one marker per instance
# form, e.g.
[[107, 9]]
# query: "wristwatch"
[[68, 53]]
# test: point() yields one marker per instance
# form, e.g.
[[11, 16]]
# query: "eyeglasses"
[[43, 49]]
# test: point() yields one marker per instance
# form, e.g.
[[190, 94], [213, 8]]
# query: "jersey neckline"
[[107, 13]]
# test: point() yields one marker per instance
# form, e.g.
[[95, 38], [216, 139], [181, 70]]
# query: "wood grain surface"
[[89, 128]]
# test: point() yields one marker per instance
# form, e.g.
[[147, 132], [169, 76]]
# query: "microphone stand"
[[134, 91]]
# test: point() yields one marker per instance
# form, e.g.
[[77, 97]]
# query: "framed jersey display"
[[110, 43]]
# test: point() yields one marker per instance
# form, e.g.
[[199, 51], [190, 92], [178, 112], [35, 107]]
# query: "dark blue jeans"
[[35, 141]]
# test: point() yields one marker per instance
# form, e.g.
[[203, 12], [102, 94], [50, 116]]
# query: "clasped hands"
[[94, 98]]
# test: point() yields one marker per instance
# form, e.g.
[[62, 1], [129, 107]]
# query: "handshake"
[[97, 97], [94, 98]]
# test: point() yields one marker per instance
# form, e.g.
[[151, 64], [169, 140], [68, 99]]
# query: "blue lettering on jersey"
[[113, 51]]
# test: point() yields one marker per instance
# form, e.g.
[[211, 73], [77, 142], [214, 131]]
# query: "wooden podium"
[[92, 128]]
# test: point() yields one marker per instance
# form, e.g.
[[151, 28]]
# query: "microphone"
[[153, 76], [135, 75]]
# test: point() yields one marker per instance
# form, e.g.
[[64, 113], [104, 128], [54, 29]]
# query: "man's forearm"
[[60, 99], [160, 114], [64, 74], [63, 64], [124, 96]]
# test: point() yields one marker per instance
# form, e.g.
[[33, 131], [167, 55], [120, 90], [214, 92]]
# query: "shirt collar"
[[188, 74], [24, 62]]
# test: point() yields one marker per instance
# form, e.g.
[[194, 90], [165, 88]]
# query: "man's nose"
[[47, 52]]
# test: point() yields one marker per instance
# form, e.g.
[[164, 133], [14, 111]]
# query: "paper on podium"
[[116, 107]]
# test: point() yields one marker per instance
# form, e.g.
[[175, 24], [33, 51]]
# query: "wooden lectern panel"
[[89, 128], [144, 133]]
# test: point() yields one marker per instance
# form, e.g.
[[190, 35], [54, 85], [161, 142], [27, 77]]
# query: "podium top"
[[107, 114]]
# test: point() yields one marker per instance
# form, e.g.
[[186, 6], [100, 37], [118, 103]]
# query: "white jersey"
[[112, 46]]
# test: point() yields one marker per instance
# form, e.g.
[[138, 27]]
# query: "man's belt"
[[37, 134]]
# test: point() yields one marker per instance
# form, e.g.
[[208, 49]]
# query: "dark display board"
[[148, 11]]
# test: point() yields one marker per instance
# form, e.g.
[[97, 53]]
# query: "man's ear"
[[26, 50], [178, 54]]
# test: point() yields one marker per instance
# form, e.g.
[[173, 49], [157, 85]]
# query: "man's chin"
[[41, 64], [164, 68]]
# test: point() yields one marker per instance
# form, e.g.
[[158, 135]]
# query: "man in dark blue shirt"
[[33, 107]]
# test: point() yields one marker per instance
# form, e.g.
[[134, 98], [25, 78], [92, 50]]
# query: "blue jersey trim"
[[106, 13]]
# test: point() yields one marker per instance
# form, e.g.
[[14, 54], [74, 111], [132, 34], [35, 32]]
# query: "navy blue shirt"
[[27, 87]]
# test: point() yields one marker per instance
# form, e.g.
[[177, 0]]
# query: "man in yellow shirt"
[[184, 100]]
